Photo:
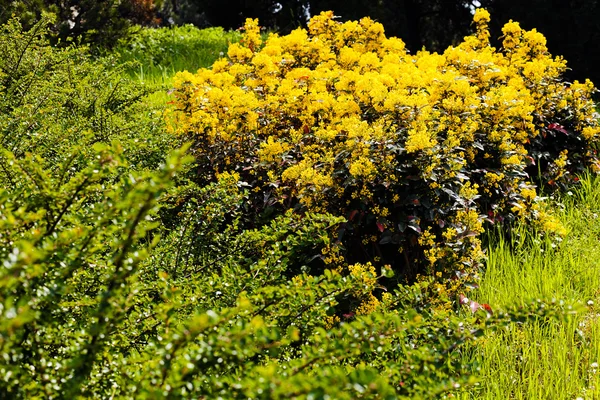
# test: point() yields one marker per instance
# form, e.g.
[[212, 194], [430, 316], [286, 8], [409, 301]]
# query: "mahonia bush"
[[417, 152]]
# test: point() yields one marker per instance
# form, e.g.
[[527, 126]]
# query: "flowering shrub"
[[418, 152]]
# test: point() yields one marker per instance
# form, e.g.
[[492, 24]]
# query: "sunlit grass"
[[545, 360], [152, 56], [155, 55]]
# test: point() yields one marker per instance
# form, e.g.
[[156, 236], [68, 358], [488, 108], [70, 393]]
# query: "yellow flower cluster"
[[469, 191], [470, 221], [528, 193], [550, 224], [368, 305], [272, 151], [364, 273]]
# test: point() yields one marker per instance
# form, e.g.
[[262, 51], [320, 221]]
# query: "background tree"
[[420, 23], [572, 28], [282, 16], [99, 23]]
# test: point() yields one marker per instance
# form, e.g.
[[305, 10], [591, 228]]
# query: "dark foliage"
[[98, 23]]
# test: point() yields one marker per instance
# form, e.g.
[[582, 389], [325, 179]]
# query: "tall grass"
[[545, 360], [156, 54]]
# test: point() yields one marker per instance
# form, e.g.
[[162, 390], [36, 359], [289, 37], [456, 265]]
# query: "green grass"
[[156, 54], [152, 56], [545, 360]]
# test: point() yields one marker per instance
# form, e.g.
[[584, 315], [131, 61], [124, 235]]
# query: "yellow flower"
[[481, 16], [469, 191], [271, 150], [528, 193], [362, 167], [419, 139], [368, 305], [590, 132], [562, 159], [365, 273]]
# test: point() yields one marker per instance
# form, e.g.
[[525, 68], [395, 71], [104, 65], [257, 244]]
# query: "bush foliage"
[[97, 23], [417, 152], [54, 99], [130, 273]]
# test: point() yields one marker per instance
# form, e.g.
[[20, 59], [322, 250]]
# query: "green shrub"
[[92, 306], [52, 99], [70, 244]]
